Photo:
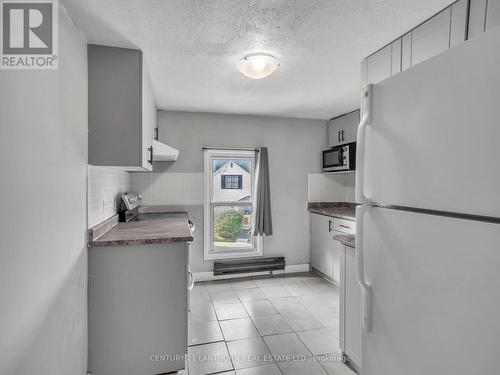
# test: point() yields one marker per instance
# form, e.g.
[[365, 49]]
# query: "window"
[[229, 180]]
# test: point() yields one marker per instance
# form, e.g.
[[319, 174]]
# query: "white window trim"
[[209, 253]]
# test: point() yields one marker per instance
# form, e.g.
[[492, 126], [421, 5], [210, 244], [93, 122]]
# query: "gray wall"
[[294, 151], [43, 256]]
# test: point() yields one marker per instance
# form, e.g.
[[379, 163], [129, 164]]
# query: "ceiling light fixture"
[[258, 65]]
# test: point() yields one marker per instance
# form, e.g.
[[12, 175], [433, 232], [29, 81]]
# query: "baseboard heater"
[[230, 267]]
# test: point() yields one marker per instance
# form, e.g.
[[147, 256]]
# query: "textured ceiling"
[[192, 47]]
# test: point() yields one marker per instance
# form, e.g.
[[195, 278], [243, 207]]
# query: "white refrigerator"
[[428, 227]]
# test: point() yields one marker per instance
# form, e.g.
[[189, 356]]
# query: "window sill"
[[235, 253]]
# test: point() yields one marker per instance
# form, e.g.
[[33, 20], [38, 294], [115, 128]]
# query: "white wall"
[[331, 187], [294, 151], [105, 186], [43, 254]]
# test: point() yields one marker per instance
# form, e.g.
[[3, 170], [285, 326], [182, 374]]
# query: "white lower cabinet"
[[338, 249], [322, 244], [350, 307], [325, 252]]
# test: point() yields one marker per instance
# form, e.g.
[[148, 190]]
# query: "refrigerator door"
[[435, 293], [432, 141]]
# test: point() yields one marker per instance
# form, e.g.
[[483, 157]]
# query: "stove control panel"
[[131, 200]]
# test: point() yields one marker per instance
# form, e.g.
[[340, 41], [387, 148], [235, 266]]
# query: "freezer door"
[[432, 141], [435, 294]]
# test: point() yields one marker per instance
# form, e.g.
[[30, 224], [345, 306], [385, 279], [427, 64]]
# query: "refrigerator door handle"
[[360, 270], [361, 139]]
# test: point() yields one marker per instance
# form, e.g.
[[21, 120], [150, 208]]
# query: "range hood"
[[163, 152]]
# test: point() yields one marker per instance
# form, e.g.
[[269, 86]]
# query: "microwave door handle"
[[341, 157]]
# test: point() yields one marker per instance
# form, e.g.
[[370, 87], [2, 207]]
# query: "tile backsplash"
[[105, 186], [331, 187], [169, 188]]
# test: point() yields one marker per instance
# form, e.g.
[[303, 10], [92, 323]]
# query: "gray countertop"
[[341, 210], [154, 231]]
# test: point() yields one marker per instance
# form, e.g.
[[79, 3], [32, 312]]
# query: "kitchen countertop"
[[152, 231], [341, 210], [346, 239]]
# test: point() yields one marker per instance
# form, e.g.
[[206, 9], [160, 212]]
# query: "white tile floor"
[[265, 326]]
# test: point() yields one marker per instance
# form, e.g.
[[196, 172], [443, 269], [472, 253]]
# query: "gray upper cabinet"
[[149, 120], [431, 38], [343, 129], [122, 111]]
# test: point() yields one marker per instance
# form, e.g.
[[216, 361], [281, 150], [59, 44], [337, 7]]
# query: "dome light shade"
[[258, 65]]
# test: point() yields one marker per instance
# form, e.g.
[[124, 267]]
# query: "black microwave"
[[340, 158]]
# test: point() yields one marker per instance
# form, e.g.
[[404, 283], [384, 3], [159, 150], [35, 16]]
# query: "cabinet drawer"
[[345, 226]]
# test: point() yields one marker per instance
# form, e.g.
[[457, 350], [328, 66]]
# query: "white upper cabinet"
[[379, 65], [446, 29], [431, 38], [406, 51], [383, 63], [483, 15], [492, 14], [477, 17], [396, 56], [343, 129], [458, 25]]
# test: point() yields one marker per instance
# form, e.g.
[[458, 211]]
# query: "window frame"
[[224, 178], [209, 205]]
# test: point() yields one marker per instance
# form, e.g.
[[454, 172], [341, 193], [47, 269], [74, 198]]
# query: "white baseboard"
[[293, 268], [208, 276]]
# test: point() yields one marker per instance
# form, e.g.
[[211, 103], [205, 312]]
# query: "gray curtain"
[[262, 221]]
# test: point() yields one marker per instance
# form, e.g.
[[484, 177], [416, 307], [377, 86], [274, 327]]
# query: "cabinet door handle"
[[150, 160], [329, 225], [338, 136], [191, 281], [344, 226], [342, 135], [157, 133]]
